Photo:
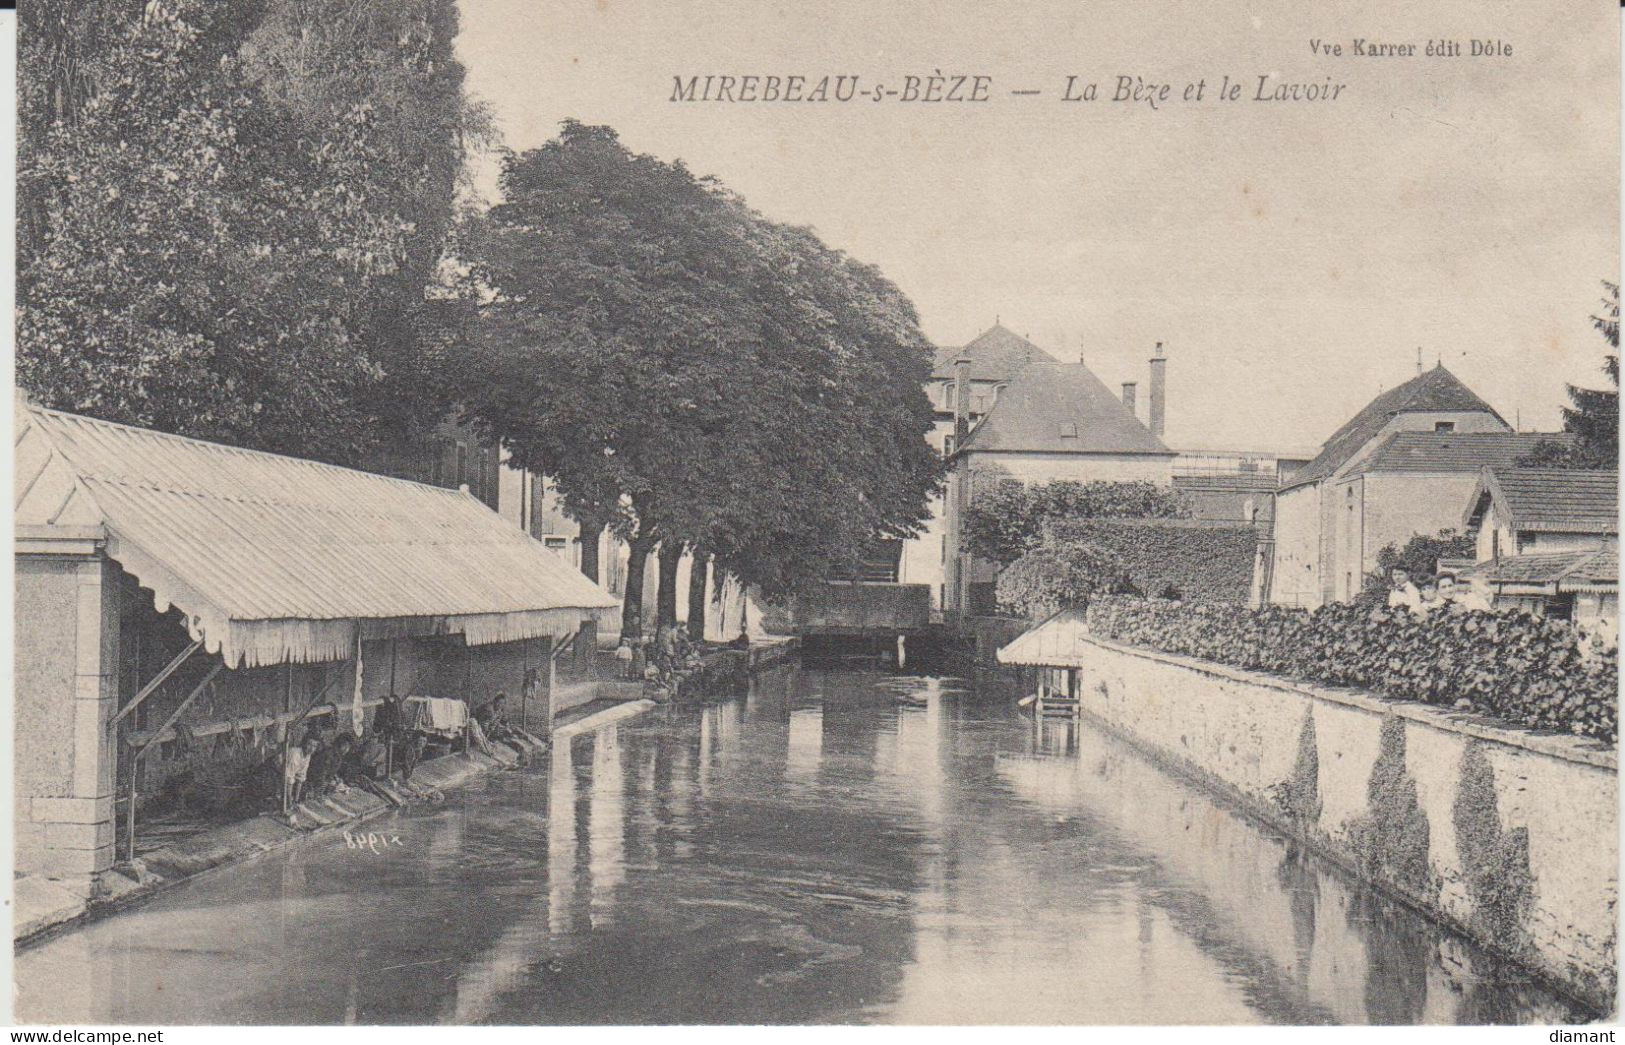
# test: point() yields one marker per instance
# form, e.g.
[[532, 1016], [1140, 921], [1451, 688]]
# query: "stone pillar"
[[67, 619]]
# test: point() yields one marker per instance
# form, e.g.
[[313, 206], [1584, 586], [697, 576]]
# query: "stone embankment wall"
[[1507, 835]]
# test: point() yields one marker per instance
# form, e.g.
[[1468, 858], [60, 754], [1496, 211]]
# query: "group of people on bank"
[[324, 762], [662, 661]]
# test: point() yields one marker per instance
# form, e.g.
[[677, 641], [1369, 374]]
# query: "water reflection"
[[830, 848]]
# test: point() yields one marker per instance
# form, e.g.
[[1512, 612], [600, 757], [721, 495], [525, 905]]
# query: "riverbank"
[[41, 908], [1487, 829]]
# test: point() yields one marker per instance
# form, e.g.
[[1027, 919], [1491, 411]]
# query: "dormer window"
[[1444, 426], [1068, 429]]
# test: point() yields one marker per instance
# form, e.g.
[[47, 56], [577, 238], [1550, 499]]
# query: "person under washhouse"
[[295, 770], [406, 745], [323, 772], [364, 762]]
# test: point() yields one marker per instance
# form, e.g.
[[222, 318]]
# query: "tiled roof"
[[1061, 408], [1454, 451], [1431, 391], [276, 559], [1241, 482], [1056, 642], [1552, 500], [1577, 570], [997, 354]]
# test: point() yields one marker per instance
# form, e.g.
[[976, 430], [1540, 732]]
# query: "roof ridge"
[[139, 432]]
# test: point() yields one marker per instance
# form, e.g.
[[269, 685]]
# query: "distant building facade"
[[1007, 410]]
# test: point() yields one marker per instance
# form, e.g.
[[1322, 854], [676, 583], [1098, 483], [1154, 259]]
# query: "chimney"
[[1128, 395], [961, 400], [1159, 392]]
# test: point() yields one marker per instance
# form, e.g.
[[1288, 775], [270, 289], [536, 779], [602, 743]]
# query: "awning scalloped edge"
[[261, 643]]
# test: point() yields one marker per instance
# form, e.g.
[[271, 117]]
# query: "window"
[[1444, 426], [556, 544]]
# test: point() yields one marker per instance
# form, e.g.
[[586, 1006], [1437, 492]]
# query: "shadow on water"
[[832, 847]]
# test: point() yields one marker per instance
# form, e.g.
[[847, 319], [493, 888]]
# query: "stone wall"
[[1506, 835]]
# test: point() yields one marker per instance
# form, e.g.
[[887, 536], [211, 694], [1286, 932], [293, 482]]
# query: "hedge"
[[1055, 575], [1207, 560], [1525, 669]]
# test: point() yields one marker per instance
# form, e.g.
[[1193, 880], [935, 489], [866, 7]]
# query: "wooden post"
[[287, 734]]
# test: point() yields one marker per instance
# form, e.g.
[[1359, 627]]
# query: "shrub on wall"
[[1056, 575], [1525, 669], [1188, 558], [1007, 518]]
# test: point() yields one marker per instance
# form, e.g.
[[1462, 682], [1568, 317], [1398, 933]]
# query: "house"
[[1401, 466], [1048, 421], [1547, 542], [170, 590]]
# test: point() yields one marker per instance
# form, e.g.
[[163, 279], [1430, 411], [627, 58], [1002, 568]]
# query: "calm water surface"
[[835, 847]]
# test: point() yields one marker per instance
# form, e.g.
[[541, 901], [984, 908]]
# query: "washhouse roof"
[[1057, 642], [275, 559]]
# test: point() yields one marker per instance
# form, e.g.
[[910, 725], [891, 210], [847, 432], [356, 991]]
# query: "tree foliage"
[[691, 373], [1419, 558], [1007, 518], [1057, 575], [1593, 417], [230, 211]]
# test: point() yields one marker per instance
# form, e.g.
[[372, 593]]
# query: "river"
[[834, 847]]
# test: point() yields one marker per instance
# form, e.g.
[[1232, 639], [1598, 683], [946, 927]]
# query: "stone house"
[[1401, 466]]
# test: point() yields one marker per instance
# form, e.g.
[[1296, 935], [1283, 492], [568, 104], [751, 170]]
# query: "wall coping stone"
[[1565, 746]]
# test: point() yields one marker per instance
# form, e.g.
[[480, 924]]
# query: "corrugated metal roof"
[[1061, 408], [275, 558], [1554, 500], [1436, 390], [1057, 642], [1454, 451]]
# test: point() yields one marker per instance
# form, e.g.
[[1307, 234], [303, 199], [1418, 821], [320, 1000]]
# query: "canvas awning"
[[275, 559], [1056, 643]]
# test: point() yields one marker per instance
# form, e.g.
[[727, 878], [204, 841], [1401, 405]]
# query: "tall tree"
[[690, 373], [1593, 417], [230, 212]]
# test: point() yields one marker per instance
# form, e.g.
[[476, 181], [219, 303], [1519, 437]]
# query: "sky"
[[1293, 256]]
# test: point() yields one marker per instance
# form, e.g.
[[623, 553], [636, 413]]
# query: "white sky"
[[1294, 258]]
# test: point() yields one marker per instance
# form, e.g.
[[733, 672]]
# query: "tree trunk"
[[632, 605], [671, 555], [699, 574], [591, 530]]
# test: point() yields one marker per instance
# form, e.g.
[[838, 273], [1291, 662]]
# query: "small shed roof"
[[1057, 642], [275, 559], [1550, 500], [1585, 570]]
